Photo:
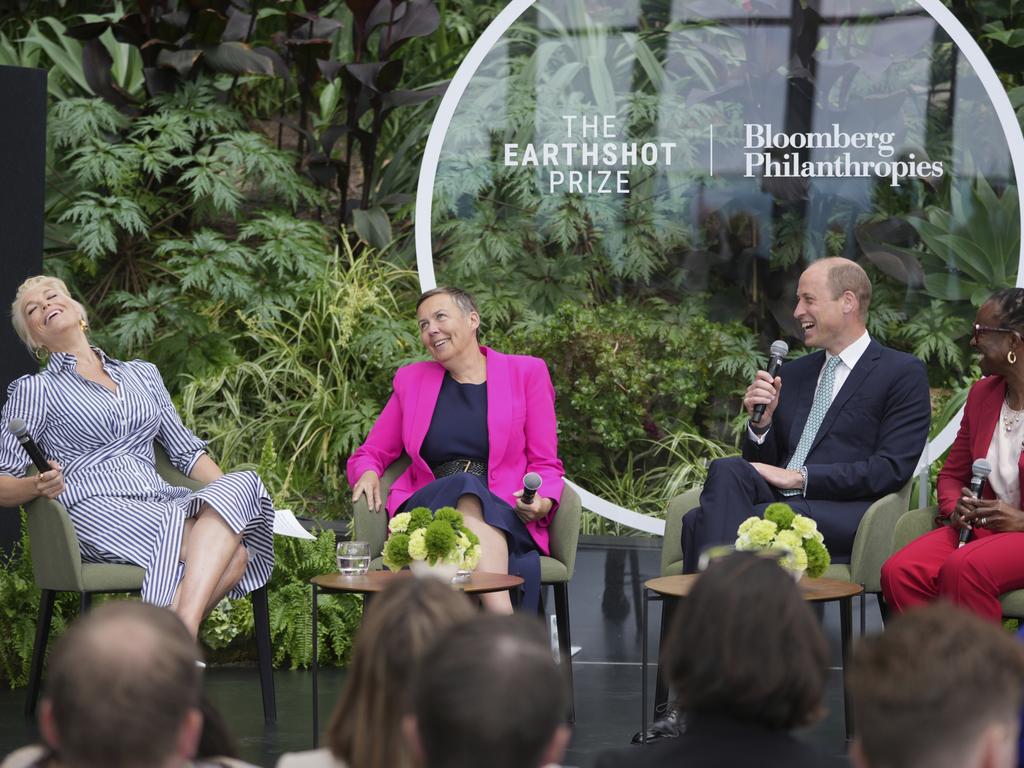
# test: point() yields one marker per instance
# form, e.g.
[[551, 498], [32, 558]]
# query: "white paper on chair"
[[285, 524]]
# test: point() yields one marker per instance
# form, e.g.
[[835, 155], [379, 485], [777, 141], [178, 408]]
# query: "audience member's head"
[[939, 688], [489, 693], [123, 690], [400, 625], [745, 645]]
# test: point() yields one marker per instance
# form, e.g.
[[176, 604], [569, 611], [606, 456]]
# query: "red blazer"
[[981, 417], [521, 430]]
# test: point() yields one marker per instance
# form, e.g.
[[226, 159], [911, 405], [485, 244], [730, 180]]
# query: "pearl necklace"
[[1010, 417]]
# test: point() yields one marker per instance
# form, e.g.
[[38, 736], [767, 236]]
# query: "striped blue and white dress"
[[122, 510]]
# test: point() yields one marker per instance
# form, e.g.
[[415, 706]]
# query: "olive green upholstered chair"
[[918, 522], [555, 571], [57, 567]]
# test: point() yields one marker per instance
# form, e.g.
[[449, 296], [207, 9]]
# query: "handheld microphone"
[[19, 429], [776, 354], [980, 470], [531, 482]]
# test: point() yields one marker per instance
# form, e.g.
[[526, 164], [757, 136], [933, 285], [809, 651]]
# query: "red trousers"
[[973, 576]]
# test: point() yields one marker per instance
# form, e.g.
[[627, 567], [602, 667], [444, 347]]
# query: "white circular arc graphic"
[[490, 37]]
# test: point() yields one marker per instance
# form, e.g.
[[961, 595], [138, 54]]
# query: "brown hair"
[[18, 316], [463, 300], [400, 624], [745, 644], [489, 687], [925, 689], [120, 684], [845, 275]]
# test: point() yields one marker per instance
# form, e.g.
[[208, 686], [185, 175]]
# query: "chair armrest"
[[872, 544], [56, 557], [564, 532], [916, 522], [671, 545], [372, 526]]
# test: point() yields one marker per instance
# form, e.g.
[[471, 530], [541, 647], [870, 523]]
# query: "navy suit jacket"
[[873, 433]]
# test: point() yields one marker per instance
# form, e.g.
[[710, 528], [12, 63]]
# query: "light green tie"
[[819, 407]]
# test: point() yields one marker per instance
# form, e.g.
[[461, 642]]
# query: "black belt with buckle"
[[453, 467]]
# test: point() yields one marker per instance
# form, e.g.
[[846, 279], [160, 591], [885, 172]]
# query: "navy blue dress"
[[458, 430]]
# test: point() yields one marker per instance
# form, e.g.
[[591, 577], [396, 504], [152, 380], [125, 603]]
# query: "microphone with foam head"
[[531, 482], [980, 470], [19, 429], [776, 354]]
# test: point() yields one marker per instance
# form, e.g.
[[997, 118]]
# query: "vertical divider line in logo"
[[711, 149]]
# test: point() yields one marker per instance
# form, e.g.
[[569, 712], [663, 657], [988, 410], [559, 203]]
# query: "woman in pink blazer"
[[473, 421]]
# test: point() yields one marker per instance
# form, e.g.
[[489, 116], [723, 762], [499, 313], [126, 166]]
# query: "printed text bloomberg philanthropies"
[[765, 156]]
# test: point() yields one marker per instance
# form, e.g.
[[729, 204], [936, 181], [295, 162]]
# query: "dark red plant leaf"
[[181, 62], [305, 54], [361, 10], [96, 64], [329, 68], [383, 14], [87, 31], [280, 65], [237, 59], [209, 27], [365, 74], [420, 20], [389, 75], [408, 98], [130, 29], [237, 30], [159, 80], [330, 137]]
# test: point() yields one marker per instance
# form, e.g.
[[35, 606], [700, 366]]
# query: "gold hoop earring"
[[1011, 357], [84, 325], [40, 353]]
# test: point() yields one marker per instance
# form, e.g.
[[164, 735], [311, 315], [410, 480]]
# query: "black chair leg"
[[84, 602], [661, 692], [564, 644], [35, 674], [264, 655]]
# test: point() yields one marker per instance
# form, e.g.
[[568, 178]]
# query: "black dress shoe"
[[669, 726]]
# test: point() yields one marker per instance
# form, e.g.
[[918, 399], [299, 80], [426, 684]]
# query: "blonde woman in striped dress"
[[95, 419]]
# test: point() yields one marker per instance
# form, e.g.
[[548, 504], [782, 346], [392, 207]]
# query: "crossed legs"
[[215, 560], [494, 550]]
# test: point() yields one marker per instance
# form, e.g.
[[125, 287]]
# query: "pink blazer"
[[521, 431]]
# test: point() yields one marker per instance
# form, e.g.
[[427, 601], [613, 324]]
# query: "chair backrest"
[[372, 526], [564, 532], [671, 543], [56, 556], [872, 544]]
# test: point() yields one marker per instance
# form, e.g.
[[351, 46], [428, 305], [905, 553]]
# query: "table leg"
[[643, 667], [846, 638], [313, 666]]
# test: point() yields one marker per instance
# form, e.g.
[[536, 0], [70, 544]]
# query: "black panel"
[[22, 193]]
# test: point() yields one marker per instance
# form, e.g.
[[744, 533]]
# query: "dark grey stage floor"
[[605, 623]]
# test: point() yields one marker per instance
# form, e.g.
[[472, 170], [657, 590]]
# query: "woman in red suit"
[[992, 561], [473, 421]]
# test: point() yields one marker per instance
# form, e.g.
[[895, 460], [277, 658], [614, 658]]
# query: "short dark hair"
[[489, 687], [745, 644], [140, 662], [463, 300], [925, 689], [403, 623]]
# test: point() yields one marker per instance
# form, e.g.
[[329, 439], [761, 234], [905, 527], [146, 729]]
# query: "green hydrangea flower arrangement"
[[438, 537], [796, 535]]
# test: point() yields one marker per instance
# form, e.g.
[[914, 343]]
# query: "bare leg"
[[211, 546], [231, 577], [186, 531], [494, 551]]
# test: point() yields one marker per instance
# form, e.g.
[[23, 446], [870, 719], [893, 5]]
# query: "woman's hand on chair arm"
[[15, 491], [369, 484]]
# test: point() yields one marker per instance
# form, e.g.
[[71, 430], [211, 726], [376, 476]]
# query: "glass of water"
[[353, 558]]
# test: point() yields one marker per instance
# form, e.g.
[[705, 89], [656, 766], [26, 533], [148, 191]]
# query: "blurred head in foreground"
[[490, 693], [940, 688], [400, 625], [123, 690], [745, 645]]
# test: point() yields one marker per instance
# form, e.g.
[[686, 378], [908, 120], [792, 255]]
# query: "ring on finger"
[[983, 521]]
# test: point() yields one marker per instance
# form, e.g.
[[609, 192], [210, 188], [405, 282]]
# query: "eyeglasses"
[[981, 329]]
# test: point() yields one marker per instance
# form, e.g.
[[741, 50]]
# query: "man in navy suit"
[[841, 428]]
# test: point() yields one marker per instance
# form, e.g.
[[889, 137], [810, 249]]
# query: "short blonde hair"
[[18, 316]]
